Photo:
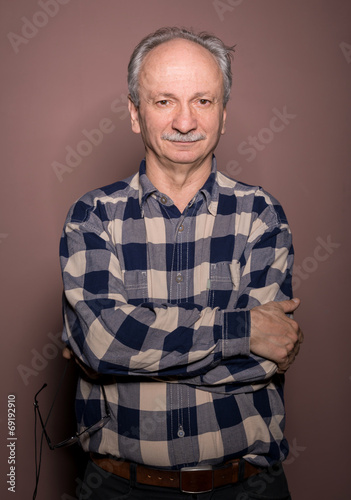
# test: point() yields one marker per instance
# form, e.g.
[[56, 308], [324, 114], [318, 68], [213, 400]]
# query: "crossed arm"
[[274, 336], [108, 335]]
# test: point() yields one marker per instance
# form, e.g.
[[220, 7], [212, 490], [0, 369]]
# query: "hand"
[[89, 372], [274, 335]]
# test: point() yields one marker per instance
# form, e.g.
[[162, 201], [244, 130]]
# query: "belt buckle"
[[198, 479]]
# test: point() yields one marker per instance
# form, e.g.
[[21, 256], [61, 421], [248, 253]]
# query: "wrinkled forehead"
[[179, 61]]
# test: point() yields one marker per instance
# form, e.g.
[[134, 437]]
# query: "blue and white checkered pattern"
[[158, 302]]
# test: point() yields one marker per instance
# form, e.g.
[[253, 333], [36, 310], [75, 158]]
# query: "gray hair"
[[213, 44]]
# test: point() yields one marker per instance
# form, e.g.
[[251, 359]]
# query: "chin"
[[185, 158]]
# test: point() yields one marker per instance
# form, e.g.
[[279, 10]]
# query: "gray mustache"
[[178, 137]]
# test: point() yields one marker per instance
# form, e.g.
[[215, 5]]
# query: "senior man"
[[176, 307]]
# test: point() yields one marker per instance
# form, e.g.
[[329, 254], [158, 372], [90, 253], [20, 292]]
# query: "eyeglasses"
[[67, 442], [73, 439]]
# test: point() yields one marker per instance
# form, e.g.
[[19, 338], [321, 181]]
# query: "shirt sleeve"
[[265, 276], [114, 337]]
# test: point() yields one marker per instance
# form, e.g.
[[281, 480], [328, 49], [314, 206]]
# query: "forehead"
[[179, 62]]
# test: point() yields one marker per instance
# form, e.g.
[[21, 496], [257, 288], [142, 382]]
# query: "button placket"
[[179, 240]]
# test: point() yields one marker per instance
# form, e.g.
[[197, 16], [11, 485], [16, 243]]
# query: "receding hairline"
[[180, 41]]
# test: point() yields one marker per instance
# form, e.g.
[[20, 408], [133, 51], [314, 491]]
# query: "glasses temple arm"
[[36, 406]]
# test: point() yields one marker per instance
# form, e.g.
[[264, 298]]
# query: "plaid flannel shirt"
[[158, 303]]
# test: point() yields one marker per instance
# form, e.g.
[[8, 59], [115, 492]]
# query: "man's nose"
[[184, 119]]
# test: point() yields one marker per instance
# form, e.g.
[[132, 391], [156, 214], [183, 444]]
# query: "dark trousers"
[[101, 485]]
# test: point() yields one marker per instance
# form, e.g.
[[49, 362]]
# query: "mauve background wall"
[[65, 72]]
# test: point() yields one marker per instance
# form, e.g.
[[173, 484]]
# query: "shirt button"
[[179, 278], [163, 200], [181, 228], [180, 432]]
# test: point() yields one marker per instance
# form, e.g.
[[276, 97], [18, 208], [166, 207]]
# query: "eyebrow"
[[170, 95]]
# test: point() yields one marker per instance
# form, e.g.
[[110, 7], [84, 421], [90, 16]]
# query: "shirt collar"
[[146, 188], [209, 190]]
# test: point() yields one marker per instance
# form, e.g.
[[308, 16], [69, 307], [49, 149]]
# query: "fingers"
[[67, 353], [291, 355], [274, 335], [89, 372]]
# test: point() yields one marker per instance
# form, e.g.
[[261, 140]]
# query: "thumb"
[[290, 306], [67, 353]]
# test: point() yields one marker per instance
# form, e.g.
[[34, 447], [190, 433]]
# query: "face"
[[181, 114]]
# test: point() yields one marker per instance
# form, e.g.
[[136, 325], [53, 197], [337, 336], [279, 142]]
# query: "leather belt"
[[197, 479]]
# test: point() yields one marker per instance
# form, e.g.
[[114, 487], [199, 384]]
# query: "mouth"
[[184, 143]]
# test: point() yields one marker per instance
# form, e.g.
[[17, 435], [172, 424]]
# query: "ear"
[[224, 120], [134, 115]]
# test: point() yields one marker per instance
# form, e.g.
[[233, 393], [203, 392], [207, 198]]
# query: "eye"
[[204, 102], [163, 102]]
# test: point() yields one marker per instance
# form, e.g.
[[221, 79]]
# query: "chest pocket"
[[224, 284], [135, 283]]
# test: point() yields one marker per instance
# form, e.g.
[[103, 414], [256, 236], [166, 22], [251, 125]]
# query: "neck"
[[180, 182]]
